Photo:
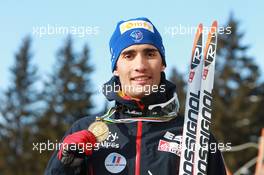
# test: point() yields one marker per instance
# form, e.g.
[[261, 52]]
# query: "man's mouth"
[[141, 80]]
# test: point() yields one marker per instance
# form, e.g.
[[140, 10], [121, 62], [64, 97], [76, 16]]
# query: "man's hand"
[[75, 147]]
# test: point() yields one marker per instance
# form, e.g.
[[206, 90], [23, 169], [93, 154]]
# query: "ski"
[[192, 106], [198, 107], [205, 108], [260, 159]]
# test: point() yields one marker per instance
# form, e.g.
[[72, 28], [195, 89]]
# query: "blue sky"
[[21, 18]]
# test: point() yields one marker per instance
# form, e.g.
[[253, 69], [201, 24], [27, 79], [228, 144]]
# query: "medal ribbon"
[[152, 118]]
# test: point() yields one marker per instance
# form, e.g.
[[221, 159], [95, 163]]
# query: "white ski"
[[192, 106], [205, 108], [198, 104]]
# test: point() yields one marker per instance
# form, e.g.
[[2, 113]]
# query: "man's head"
[[138, 56]]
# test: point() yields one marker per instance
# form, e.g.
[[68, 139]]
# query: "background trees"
[[31, 117], [19, 110]]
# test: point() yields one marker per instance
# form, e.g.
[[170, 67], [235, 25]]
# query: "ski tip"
[[198, 36], [200, 28], [212, 33], [213, 29], [214, 25]]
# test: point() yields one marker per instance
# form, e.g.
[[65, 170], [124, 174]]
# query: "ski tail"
[[192, 105], [205, 103]]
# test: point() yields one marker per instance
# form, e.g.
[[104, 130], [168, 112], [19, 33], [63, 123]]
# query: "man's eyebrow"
[[128, 52], [146, 50], [150, 50]]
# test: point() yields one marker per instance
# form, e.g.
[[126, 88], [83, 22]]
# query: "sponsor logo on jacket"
[[115, 163], [111, 141], [173, 145]]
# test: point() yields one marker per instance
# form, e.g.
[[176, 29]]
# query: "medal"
[[100, 130]]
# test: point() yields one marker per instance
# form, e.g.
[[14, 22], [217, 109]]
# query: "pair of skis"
[[198, 109]]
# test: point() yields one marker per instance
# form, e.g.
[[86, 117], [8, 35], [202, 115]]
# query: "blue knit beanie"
[[134, 31]]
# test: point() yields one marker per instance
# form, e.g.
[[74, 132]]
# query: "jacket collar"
[[110, 90]]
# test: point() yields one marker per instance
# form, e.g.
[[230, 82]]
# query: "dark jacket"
[[139, 148]]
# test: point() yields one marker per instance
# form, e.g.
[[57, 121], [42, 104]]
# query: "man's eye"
[[151, 54], [128, 56]]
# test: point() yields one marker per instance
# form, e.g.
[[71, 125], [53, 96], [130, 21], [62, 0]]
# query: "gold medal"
[[100, 130]]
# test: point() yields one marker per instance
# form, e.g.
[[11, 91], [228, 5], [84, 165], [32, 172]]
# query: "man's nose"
[[141, 63]]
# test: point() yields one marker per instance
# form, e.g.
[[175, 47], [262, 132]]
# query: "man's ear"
[[163, 68], [115, 73]]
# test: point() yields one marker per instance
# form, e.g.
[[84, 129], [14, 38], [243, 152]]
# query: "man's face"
[[139, 68]]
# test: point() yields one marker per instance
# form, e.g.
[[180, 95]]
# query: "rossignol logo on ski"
[[210, 50], [203, 134], [196, 130], [196, 52]]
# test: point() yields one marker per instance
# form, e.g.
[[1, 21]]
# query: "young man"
[[143, 133]]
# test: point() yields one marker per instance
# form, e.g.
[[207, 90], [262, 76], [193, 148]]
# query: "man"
[[144, 129]]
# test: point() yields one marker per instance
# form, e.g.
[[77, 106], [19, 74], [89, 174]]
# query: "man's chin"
[[139, 95], [138, 91]]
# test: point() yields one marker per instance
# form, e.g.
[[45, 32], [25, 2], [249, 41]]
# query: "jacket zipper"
[[138, 147]]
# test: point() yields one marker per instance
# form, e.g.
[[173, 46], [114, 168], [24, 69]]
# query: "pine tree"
[[82, 91], [257, 96], [178, 80], [236, 77], [67, 96], [19, 112]]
